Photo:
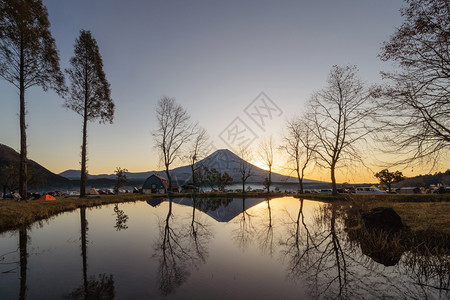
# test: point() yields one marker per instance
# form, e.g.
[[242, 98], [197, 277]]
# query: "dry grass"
[[420, 216], [379, 197], [420, 212], [14, 214]]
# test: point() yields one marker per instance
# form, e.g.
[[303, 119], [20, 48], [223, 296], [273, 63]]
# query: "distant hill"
[[76, 174], [426, 180], [222, 160], [40, 177]]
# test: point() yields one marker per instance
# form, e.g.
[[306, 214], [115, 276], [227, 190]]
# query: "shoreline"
[[14, 214]]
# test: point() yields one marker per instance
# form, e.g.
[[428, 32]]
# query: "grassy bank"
[[14, 214], [420, 216], [379, 197], [420, 212]]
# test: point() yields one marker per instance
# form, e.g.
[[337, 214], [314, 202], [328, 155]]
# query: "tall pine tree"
[[90, 93], [28, 57]]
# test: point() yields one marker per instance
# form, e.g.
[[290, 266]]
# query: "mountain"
[[222, 160], [76, 174], [39, 176]]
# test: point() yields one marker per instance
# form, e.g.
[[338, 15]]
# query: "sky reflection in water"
[[184, 248]]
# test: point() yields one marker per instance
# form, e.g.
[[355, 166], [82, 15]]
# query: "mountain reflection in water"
[[218, 248]]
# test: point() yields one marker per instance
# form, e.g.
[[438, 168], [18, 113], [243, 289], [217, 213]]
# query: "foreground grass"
[[14, 214], [379, 197], [420, 216], [420, 212]]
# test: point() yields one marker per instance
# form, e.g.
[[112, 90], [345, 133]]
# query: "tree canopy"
[[415, 107], [90, 93], [28, 57], [28, 53], [389, 178]]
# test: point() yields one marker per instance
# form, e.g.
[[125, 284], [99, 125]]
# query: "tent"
[[47, 198], [92, 191]]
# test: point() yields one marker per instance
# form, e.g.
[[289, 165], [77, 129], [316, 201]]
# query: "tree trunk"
[[300, 181], [333, 181], [169, 179], [270, 179], [193, 175], [23, 133], [301, 186], [83, 158]]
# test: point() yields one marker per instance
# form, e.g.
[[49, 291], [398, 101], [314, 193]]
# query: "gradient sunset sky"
[[214, 57]]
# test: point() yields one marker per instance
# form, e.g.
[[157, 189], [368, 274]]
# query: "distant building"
[[189, 188], [157, 184]]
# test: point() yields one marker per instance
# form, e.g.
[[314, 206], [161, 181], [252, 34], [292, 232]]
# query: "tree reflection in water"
[[121, 219], [92, 288], [244, 234], [318, 253], [265, 234], [325, 256], [179, 249], [298, 243], [200, 234], [430, 271], [23, 241]]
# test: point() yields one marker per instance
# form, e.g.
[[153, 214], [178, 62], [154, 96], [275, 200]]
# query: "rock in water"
[[382, 218]]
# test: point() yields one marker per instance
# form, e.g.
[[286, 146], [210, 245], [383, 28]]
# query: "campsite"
[[225, 149]]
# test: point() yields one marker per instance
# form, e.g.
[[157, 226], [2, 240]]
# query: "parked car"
[[369, 190]]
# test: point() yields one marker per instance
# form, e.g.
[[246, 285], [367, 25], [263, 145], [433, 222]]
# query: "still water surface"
[[284, 248]]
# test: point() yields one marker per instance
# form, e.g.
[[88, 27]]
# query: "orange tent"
[[47, 198]]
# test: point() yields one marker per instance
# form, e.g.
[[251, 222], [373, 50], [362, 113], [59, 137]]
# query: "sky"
[[219, 59]]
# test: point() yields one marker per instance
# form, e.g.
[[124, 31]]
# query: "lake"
[[284, 248]]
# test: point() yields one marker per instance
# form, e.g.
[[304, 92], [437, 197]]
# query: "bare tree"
[[245, 168], [337, 114], [28, 57], [265, 154], [9, 175], [300, 144], [90, 93], [416, 105], [197, 151], [173, 132]]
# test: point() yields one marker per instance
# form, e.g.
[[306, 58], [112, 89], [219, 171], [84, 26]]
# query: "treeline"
[[426, 180], [213, 178]]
